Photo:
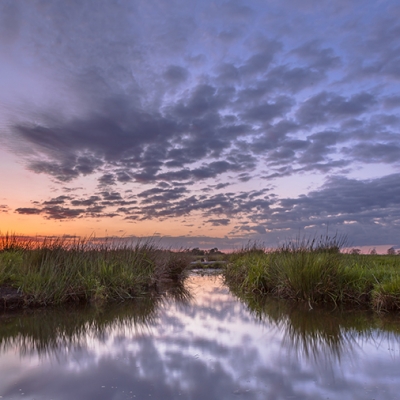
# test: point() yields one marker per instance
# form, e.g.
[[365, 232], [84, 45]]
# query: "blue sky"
[[209, 122]]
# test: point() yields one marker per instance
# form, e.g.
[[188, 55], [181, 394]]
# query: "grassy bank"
[[59, 271], [315, 271]]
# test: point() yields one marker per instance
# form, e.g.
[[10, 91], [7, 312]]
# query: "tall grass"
[[315, 271], [57, 270]]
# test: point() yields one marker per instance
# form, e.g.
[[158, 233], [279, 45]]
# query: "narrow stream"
[[206, 346]]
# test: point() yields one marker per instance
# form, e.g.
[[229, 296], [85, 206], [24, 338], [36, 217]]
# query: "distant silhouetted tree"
[[373, 252], [355, 251], [391, 251], [197, 252]]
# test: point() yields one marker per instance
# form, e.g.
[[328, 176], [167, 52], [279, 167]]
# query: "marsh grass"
[[57, 271], [315, 271]]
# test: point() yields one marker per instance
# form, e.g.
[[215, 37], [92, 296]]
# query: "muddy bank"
[[11, 298]]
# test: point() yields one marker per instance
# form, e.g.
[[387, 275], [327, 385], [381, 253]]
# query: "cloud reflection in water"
[[212, 346]]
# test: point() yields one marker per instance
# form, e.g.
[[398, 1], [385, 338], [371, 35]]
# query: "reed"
[[57, 271], [315, 271]]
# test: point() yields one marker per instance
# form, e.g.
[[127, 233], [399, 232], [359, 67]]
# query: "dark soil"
[[10, 297]]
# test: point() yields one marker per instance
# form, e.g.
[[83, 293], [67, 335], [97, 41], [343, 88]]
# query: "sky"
[[209, 124]]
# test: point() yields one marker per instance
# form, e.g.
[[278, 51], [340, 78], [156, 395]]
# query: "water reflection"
[[323, 334], [49, 331], [211, 346]]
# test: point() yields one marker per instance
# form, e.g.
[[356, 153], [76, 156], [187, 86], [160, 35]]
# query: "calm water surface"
[[210, 346]]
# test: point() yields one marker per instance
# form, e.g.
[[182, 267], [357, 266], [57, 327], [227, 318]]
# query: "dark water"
[[209, 347]]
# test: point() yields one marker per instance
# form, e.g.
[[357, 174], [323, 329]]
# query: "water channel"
[[203, 345]]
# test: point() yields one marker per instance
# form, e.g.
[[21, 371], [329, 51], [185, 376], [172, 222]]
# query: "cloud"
[[323, 106], [52, 212], [267, 111], [92, 200], [193, 106], [392, 102], [292, 79], [218, 222], [59, 213], [260, 61], [161, 195], [107, 180], [372, 205], [375, 152], [28, 210], [176, 74], [10, 23], [4, 208], [57, 200], [320, 58]]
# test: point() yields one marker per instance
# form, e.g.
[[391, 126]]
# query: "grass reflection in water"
[[322, 334], [54, 330], [317, 334]]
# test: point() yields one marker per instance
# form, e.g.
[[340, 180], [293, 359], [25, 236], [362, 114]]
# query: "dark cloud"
[[161, 195], [52, 212], [259, 62], [375, 152], [392, 102], [324, 106], [230, 35], [382, 42], [4, 208], [370, 204], [221, 185], [292, 79], [57, 212], [119, 137], [260, 229], [96, 210], [176, 74], [236, 11], [320, 58], [267, 111], [123, 176], [178, 103], [361, 206], [10, 22], [202, 100], [273, 136], [88, 202], [63, 172], [57, 200], [228, 73], [107, 180], [28, 210], [111, 196], [219, 222]]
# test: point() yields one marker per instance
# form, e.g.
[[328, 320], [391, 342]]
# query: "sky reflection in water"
[[209, 347]]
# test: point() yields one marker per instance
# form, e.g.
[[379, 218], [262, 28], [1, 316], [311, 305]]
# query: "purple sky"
[[212, 122]]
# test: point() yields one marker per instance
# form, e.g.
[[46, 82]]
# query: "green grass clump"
[[386, 296], [59, 271], [315, 271]]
